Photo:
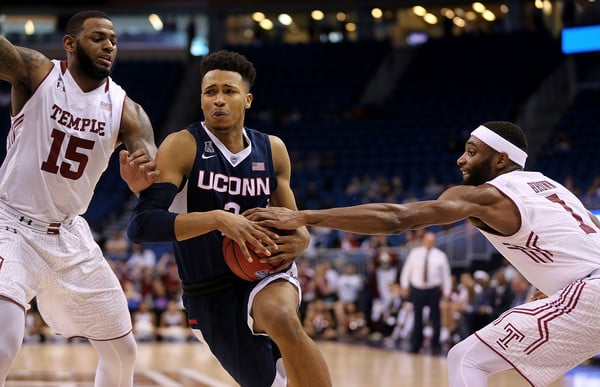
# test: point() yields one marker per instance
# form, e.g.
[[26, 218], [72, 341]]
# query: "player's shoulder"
[[277, 144], [180, 138], [476, 194], [34, 59], [27, 68]]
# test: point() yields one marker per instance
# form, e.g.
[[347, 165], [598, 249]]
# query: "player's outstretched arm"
[[455, 204]]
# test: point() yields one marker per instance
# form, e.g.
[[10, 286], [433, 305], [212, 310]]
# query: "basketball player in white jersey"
[[67, 118], [534, 222]]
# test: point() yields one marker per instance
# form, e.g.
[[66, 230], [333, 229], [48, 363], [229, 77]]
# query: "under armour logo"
[[60, 84], [25, 220]]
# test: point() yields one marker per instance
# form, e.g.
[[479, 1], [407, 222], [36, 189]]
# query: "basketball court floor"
[[192, 365]]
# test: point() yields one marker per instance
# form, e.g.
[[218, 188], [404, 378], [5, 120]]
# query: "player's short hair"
[[75, 23], [510, 132], [229, 61]]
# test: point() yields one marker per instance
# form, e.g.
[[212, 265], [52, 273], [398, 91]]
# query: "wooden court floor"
[[192, 365]]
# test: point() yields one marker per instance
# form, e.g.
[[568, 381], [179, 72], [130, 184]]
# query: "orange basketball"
[[239, 265]]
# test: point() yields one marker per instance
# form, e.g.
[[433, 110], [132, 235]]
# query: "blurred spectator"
[[426, 281], [144, 322], [385, 272], [354, 323], [509, 270], [173, 325], [433, 188], [134, 297], [349, 287], [141, 256], [306, 277], [319, 238], [478, 313], [121, 271], [116, 246], [319, 322], [160, 299], [460, 302], [348, 241], [502, 294], [521, 289], [146, 284], [170, 278], [448, 311], [326, 283], [397, 319]]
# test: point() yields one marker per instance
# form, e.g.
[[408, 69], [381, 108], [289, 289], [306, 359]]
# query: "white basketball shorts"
[[77, 292]]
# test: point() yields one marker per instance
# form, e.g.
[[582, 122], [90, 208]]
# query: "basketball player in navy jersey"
[[535, 223], [211, 172], [67, 118]]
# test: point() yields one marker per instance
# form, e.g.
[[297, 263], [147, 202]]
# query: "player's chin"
[[219, 125]]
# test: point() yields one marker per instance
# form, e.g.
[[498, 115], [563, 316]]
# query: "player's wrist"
[[307, 217]]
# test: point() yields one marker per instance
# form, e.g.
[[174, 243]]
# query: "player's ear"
[[502, 160], [249, 98], [69, 43]]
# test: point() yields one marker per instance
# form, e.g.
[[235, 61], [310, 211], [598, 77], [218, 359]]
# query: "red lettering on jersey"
[[81, 124], [540, 186]]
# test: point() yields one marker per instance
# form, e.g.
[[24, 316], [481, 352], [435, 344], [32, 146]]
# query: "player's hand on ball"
[[244, 233], [291, 244]]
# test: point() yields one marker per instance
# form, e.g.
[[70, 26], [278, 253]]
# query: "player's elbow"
[[150, 220], [149, 226], [135, 228]]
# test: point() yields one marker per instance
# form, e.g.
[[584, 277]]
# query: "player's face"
[[476, 163], [96, 48], [225, 98]]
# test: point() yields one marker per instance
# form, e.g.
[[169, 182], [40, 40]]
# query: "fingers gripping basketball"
[[239, 265]]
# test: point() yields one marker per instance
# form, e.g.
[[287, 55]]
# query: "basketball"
[[239, 265]]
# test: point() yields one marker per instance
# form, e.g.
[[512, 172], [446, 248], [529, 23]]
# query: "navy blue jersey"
[[221, 180]]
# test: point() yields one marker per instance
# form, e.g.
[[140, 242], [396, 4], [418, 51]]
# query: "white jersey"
[[59, 145], [557, 242]]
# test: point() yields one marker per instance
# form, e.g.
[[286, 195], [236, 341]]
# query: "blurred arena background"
[[374, 99]]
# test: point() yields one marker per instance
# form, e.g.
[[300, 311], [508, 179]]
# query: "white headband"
[[500, 144]]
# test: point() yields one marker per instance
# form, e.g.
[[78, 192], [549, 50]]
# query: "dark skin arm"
[[484, 206], [24, 68]]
